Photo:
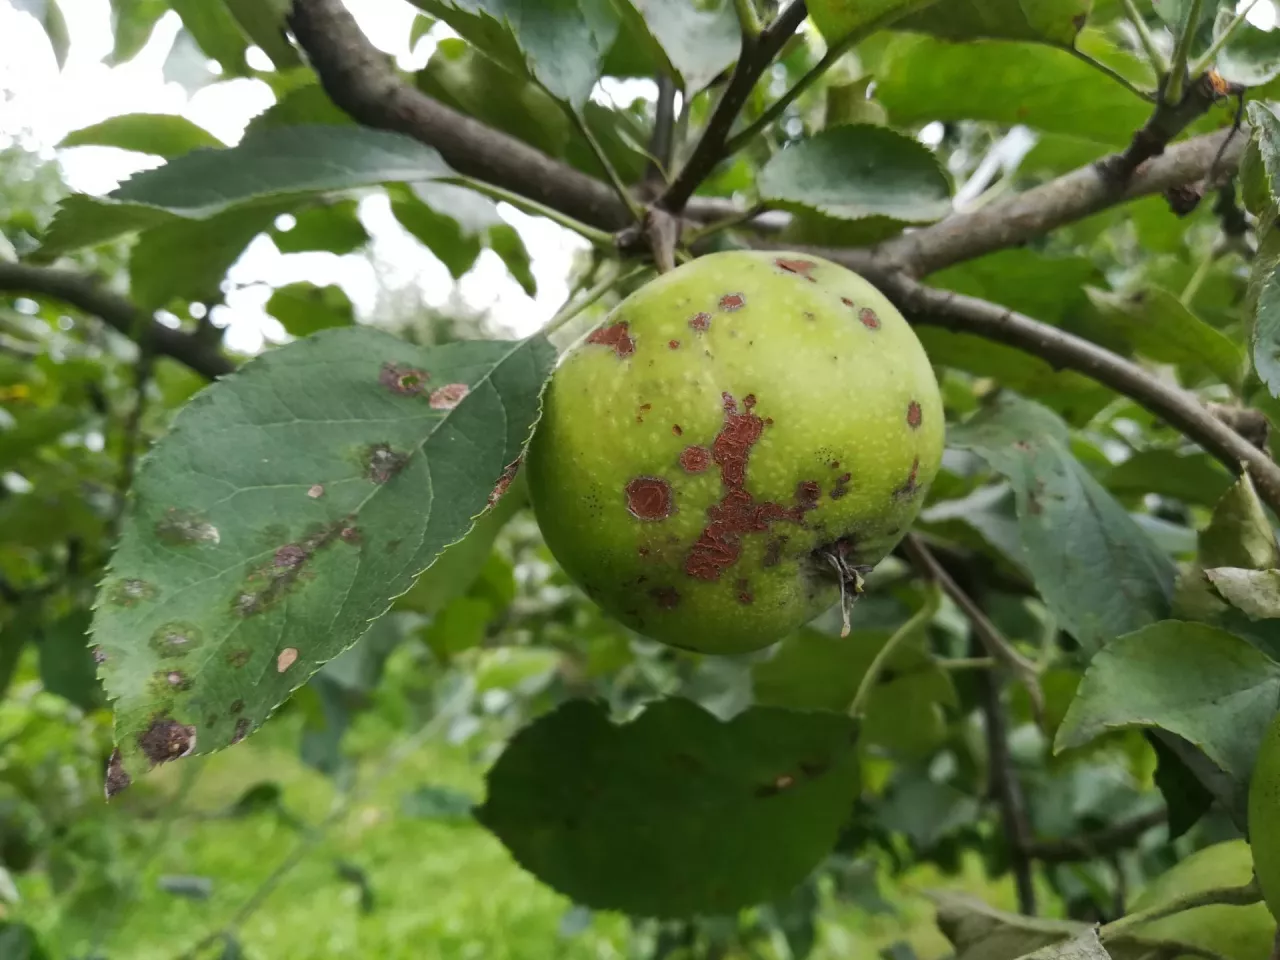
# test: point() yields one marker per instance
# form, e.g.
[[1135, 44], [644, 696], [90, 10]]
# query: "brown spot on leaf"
[[504, 481], [448, 396], [127, 593], [649, 498], [701, 322], [732, 301], [166, 739], [237, 706], [316, 491], [286, 659], [695, 459], [290, 555], [99, 655], [617, 337], [842, 486], [175, 639], [738, 512], [403, 380], [804, 268], [914, 415], [868, 318], [673, 344], [238, 658], [242, 730], [117, 778], [183, 528], [177, 679], [351, 535], [668, 598], [382, 463]]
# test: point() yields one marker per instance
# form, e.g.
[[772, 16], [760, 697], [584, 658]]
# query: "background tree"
[[1054, 691]]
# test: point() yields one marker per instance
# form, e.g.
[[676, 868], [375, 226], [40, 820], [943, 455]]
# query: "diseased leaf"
[[657, 817], [1097, 570], [924, 78], [1047, 21], [696, 41], [1157, 325], [559, 43], [853, 172], [1255, 592], [287, 507], [159, 134], [1201, 683]]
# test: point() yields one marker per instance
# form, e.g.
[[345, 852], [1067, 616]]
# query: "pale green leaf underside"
[[290, 503], [856, 171]]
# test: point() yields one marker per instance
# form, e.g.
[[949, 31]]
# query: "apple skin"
[[735, 438]]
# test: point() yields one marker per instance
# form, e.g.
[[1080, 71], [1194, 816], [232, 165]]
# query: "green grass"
[[442, 889]]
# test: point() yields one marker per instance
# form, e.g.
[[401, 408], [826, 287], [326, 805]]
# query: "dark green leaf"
[[132, 22], [1157, 325], [836, 19], [1051, 289], [1048, 21], [286, 508], [560, 43], [1201, 683], [303, 308], [853, 172], [18, 942], [441, 234], [301, 106], [923, 79], [696, 41], [66, 663], [1186, 798], [332, 226], [217, 33], [263, 22], [927, 811], [1190, 477], [659, 817], [1265, 280], [82, 220], [159, 134], [34, 429], [1097, 570], [1239, 534], [188, 259], [507, 244], [1255, 592]]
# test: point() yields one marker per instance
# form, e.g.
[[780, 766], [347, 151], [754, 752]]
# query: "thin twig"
[[613, 278], [1114, 74], [918, 621], [598, 237], [829, 59], [1154, 55], [1007, 790], [1181, 51], [579, 120], [710, 229], [1206, 59], [1241, 896], [1090, 846], [710, 148], [988, 634]]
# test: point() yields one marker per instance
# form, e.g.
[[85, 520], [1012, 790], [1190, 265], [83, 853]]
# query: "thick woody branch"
[[87, 293], [1179, 408], [361, 80], [1071, 197]]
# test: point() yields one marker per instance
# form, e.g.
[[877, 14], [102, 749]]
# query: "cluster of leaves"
[[275, 540]]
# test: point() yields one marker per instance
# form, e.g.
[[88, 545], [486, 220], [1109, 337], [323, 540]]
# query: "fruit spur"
[[739, 442]]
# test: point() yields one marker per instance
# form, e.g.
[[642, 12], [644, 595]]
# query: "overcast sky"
[[40, 105]]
